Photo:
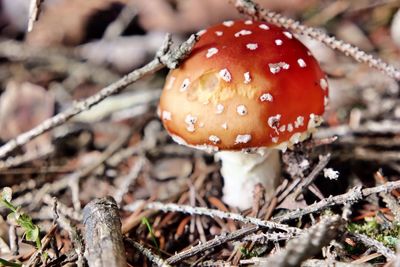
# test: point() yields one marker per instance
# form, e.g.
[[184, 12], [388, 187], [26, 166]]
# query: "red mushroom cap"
[[246, 84]]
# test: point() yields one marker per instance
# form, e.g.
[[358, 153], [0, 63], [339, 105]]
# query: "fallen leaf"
[[22, 107], [68, 22], [291, 203], [181, 16], [172, 168]]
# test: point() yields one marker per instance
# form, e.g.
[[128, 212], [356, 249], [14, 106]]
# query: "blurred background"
[[76, 47]]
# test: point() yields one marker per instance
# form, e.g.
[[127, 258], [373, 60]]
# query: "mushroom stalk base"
[[241, 172]]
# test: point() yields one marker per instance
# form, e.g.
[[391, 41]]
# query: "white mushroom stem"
[[242, 171]]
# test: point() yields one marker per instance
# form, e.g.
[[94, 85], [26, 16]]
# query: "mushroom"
[[247, 90]]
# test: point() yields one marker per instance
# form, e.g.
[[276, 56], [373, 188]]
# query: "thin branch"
[[58, 59], [264, 238], [171, 207], [34, 12], [217, 241], [379, 247], [147, 252], [373, 155], [323, 161], [250, 8], [62, 208], [386, 187], [76, 238], [74, 233], [307, 244], [116, 28], [165, 57], [354, 195], [33, 197], [26, 157], [393, 204], [256, 261], [368, 128], [390, 201], [215, 263], [129, 179]]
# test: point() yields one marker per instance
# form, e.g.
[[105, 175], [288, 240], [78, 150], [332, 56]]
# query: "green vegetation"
[[4, 262], [249, 253], [389, 236], [23, 220], [146, 222], [31, 230]]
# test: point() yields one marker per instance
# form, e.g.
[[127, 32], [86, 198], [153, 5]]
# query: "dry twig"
[[171, 207], [76, 238], [34, 12], [166, 56], [129, 179], [323, 160], [264, 238], [62, 208], [391, 202], [147, 252], [74, 233], [379, 247], [307, 244], [26, 157], [58, 60], [329, 263], [354, 195], [116, 28], [217, 241], [371, 127]]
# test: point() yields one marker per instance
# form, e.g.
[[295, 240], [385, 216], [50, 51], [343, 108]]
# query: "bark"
[[103, 237]]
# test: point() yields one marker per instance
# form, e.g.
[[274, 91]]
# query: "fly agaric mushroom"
[[247, 90]]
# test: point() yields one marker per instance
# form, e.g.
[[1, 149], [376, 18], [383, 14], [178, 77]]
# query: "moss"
[[256, 251], [247, 254], [389, 236], [354, 250]]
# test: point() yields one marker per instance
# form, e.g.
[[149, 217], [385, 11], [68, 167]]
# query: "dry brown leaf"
[[395, 29], [23, 106], [65, 22], [291, 203], [172, 168], [122, 53], [179, 16]]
